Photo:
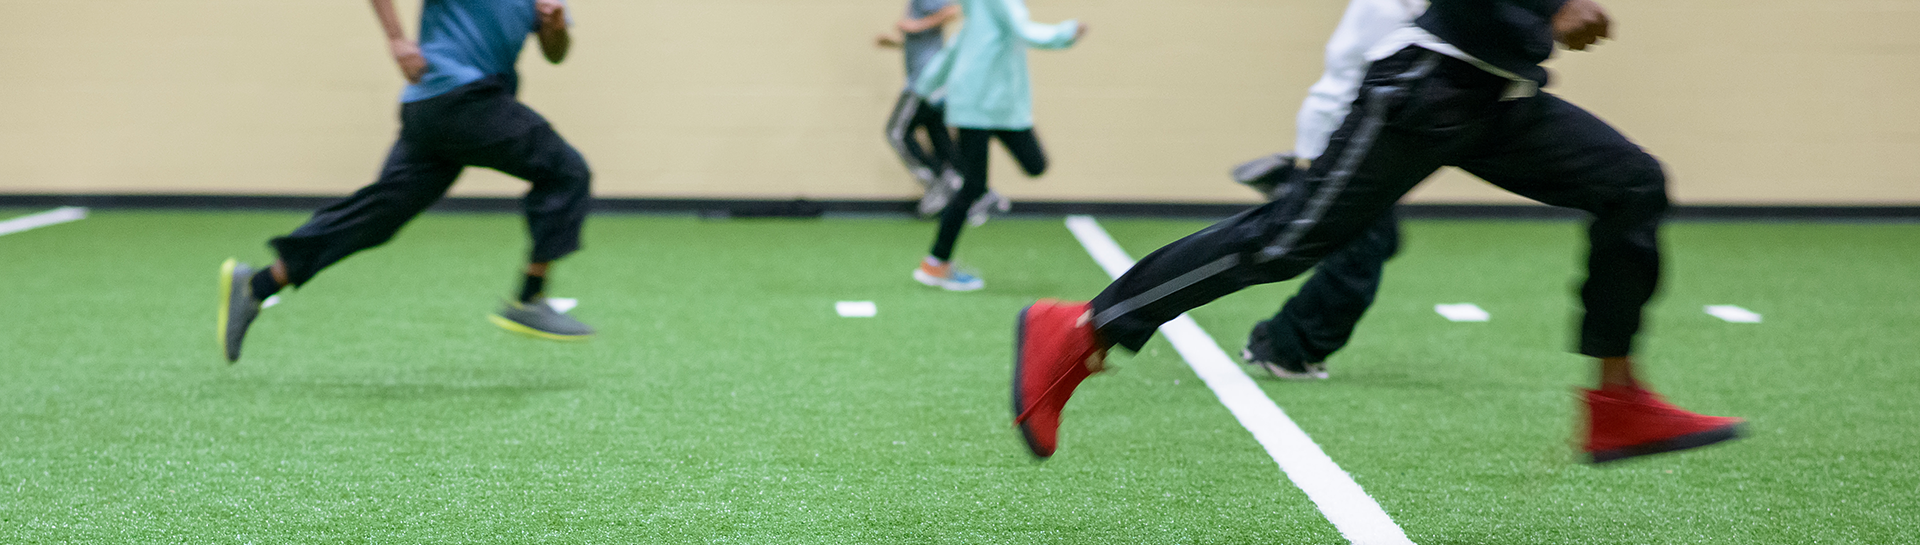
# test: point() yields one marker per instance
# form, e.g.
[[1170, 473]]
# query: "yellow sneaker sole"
[[226, 302], [518, 329]]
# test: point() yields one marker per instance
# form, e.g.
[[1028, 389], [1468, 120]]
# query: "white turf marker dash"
[[51, 217], [1733, 314], [562, 304], [856, 309], [1462, 312], [1350, 509]]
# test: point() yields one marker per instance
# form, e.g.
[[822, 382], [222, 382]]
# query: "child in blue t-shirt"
[[459, 110]]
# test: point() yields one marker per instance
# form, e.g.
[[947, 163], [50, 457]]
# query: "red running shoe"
[[1628, 421], [1054, 348]]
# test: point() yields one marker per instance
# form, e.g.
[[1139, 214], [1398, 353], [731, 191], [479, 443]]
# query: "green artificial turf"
[[725, 402]]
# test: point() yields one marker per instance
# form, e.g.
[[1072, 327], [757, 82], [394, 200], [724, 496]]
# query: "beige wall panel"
[[1748, 102]]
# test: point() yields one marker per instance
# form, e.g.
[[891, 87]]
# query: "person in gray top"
[[922, 32], [920, 35]]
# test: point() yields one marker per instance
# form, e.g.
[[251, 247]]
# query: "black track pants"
[[1418, 111], [971, 161], [479, 124], [910, 114], [1319, 319]]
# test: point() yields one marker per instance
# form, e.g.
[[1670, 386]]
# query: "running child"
[[988, 97], [1320, 318], [458, 110], [921, 35], [1460, 87]]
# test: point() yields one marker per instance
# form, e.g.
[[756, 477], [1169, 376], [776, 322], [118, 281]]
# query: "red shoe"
[[1628, 421], [1054, 348]]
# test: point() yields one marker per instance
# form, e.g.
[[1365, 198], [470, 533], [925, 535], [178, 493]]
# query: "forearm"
[[923, 24], [389, 20], [404, 51], [915, 26]]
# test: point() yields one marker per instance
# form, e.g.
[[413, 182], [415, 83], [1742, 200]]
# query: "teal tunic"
[[984, 70]]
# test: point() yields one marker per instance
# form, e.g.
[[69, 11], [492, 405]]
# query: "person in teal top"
[[988, 95]]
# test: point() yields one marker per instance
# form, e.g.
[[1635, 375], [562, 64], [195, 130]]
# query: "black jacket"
[[1514, 35]]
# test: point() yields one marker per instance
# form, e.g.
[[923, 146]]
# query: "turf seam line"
[[1355, 514], [55, 216]]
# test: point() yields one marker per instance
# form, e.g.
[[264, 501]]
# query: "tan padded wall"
[[1748, 102]]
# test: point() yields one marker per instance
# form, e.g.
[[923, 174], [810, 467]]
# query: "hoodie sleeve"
[[1037, 35]]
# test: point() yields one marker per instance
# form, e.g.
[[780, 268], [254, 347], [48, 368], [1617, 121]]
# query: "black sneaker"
[[1272, 175], [539, 320], [238, 307], [1259, 351]]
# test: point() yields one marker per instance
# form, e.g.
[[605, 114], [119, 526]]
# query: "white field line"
[[1733, 314], [1462, 312], [856, 309], [35, 221], [1350, 509]]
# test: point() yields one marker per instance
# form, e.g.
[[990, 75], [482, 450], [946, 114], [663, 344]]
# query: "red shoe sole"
[[1684, 442]]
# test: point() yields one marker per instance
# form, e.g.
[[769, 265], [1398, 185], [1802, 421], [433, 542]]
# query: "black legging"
[[971, 160]]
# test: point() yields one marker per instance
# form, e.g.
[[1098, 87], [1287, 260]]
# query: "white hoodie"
[[1365, 24]]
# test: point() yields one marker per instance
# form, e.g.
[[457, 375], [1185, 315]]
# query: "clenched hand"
[[407, 54], [1580, 23]]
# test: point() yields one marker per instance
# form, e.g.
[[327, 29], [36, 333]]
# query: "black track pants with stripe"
[[1320, 318], [1416, 112], [910, 113]]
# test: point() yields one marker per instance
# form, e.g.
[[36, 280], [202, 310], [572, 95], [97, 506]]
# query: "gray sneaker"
[[238, 307], [939, 193], [539, 320], [923, 175], [988, 205]]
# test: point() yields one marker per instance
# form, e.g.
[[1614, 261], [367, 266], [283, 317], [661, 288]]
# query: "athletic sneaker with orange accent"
[[1628, 421], [945, 276], [1054, 348]]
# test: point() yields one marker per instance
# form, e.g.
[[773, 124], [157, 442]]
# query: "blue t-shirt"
[[921, 47], [465, 40]]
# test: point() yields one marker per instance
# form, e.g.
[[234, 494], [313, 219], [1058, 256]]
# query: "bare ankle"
[[1616, 372], [279, 271]]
